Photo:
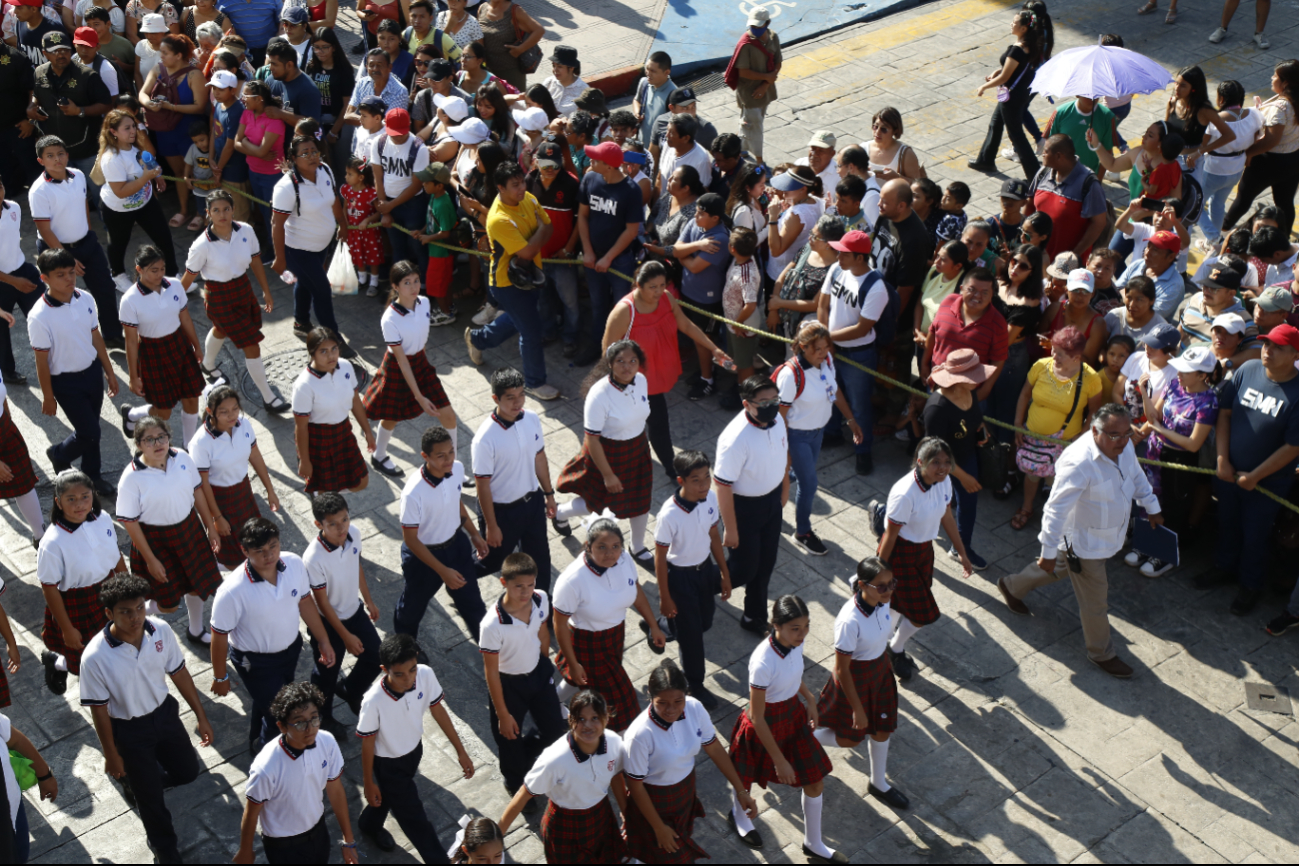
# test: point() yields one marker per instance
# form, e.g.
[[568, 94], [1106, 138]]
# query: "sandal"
[[197, 224], [1021, 519], [1151, 6], [1170, 18], [176, 221]]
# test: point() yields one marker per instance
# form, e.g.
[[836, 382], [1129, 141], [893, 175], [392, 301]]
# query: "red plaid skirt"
[[88, 617], [184, 552], [169, 369], [233, 310], [388, 398], [678, 806], [630, 461], [237, 506], [912, 564], [13, 451], [336, 461], [4, 689], [878, 691], [600, 654], [582, 835], [788, 723]]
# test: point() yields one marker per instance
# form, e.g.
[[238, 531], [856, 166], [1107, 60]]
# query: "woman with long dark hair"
[[1273, 160], [1018, 66], [1019, 300], [1190, 113], [489, 103], [335, 78]]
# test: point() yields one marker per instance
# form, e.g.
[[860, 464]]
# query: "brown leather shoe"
[[1015, 605], [1115, 667]]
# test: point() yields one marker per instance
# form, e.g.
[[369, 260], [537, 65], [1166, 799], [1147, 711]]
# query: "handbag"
[[1033, 457], [530, 59], [996, 462], [1003, 92]]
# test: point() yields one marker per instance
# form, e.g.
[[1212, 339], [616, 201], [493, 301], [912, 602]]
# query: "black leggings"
[[660, 432], [1280, 171], [119, 225], [1008, 117]]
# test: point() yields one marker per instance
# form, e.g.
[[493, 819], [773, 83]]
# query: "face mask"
[[757, 32], [767, 414]]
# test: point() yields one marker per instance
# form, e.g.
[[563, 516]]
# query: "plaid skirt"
[[336, 461], [678, 806], [600, 654], [183, 550], [582, 835], [630, 461], [13, 451], [169, 370], [388, 398], [4, 688], [233, 310], [88, 617], [237, 506], [912, 564], [788, 723], [878, 691]]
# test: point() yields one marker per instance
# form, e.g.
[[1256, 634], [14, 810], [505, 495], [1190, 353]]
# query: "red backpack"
[[800, 378]]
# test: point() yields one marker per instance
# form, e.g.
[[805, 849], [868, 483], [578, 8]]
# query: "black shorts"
[[706, 324]]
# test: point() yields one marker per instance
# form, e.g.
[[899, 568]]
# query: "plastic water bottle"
[[288, 277], [149, 162]]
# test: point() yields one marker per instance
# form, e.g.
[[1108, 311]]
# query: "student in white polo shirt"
[[124, 674], [256, 616], [16, 741], [391, 728], [752, 473], [323, 395], [286, 782], [19, 281], [20, 486]]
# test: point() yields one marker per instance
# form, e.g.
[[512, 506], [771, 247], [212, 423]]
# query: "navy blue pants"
[[522, 523], [607, 290], [413, 214], [98, 279], [364, 670], [80, 395], [10, 297], [694, 592], [263, 675], [396, 780], [422, 583], [527, 694], [757, 520], [312, 846], [312, 287], [1245, 519], [157, 754]]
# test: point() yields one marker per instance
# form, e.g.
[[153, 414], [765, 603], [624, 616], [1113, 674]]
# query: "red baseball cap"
[[606, 152], [396, 122], [1166, 240], [28, 2], [1282, 335], [853, 242], [85, 36]]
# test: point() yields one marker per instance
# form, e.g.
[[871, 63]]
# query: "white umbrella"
[[1099, 70]]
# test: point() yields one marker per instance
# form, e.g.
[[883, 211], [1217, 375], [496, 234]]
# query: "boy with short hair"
[[371, 111], [848, 195], [395, 157], [952, 204], [742, 302], [439, 226], [704, 276], [198, 171], [622, 126], [229, 167], [1006, 226]]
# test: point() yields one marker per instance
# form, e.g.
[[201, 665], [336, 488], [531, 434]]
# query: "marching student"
[[406, 385], [391, 728], [861, 697], [323, 394], [255, 616], [283, 793], [11, 648], [514, 640], [337, 577], [479, 840], [19, 281], [752, 473], [575, 775], [223, 449], [660, 770], [162, 349], [591, 600], [434, 551], [223, 255], [690, 566], [157, 500], [16, 741], [76, 554], [71, 364], [124, 674], [17, 474], [772, 740]]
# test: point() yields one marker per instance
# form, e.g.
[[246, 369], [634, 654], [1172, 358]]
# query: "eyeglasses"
[[763, 404], [1115, 437], [1019, 263], [309, 154], [882, 588], [160, 439], [311, 723]]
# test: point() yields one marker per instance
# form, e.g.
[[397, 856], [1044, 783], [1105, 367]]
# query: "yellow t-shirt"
[[1053, 398], [509, 229]]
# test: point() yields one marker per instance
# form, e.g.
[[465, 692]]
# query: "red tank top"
[[656, 333], [317, 12]]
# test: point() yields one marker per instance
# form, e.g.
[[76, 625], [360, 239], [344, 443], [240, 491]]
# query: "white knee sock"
[[212, 348], [742, 822], [455, 446], [572, 508], [30, 506], [900, 637], [565, 691], [194, 607], [138, 413], [826, 737], [381, 443], [638, 526], [188, 425], [257, 370], [61, 664], [151, 608], [812, 826], [879, 753]]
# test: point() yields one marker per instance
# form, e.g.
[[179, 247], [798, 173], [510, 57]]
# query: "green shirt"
[[441, 218], [121, 52], [1073, 123]]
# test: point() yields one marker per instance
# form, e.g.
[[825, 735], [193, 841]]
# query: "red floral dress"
[[364, 244]]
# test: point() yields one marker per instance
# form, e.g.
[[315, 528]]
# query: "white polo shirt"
[[61, 203], [11, 235], [396, 721], [130, 682], [65, 331], [506, 454], [662, 753], [259, 617], [918, 509], [393, 159], [515, 643], [221, 261], [853, 299], [432, 505], [862, 633], [158, 497], [223, 456], [290, 786], [326, 398], [406, 328], [75, 555], [751, 459], [684, 528], [617, 413], [596, 599], [12, 790], [154, 313], [572, 779], [809, 410], [337, 570], [310, 225], [776, 669]]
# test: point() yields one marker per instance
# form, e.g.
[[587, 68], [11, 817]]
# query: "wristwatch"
[[81, 111]]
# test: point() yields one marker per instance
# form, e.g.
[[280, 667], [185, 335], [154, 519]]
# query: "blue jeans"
[[263, 185], [607, 290], [520, 306], [413, 214], [1121, 114], [967, 504], [1245, 519], [804, 451], [1216, 189], [561, 286], [312, 287], [857, 387]]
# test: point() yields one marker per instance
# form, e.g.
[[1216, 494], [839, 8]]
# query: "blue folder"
[[1157, 541]]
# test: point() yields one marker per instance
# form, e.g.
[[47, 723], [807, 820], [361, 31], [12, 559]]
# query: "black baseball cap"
[[711, 203], [682, 96], [548, 155], [1015, 188], [440, 68]]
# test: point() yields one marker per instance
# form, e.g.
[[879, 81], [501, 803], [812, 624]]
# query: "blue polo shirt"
[[1170, 288], [256, 20], [706, 286], [227, 119]]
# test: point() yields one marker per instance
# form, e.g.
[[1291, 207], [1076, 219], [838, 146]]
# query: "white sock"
[[742, 822], [812, 827], [708, 379], [194, 607], [139, 413], [30, 506], [374, 279], [455, 445], [638, 525], [257, 370], [900, 637], [188, 425], [381, 443], [61, 664], [151, 608], [572, 508], [879, 753], [212, 348], [565, 691], [826, 737]]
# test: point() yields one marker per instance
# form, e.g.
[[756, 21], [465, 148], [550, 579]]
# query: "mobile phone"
[[63, 100], [1153, 204]]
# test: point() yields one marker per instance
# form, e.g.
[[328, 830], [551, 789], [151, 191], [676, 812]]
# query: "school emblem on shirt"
[[611, 766], [294, 594], [419, 696], [157, 645]]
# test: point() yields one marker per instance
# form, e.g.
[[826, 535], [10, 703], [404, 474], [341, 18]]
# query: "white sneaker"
[[1114, 176], [546, 392], [1155, 567], [1134, 558], [1218, 35], [122, 283], [440, 319], [1261, 41], [487, 314], [1009, 153]]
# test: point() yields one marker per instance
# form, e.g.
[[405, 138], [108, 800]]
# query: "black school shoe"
[[58, 465], [750, 840], [382, 839], [892, 797], [1244, 601], [55, 680], [903, 667]]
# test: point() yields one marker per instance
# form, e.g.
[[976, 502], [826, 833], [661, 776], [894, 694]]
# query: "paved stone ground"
[[1011, 746]]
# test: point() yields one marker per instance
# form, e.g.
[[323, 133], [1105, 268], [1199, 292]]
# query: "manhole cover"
[[281, 369], [1267, 697]]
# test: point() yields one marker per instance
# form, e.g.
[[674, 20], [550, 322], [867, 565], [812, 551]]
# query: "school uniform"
[[596, 600], [326, 400], [862, 632], [579, 826], [228, 297], [76, 558], [527, 685], [617, 414], [162, 502], [147, 731], [918, 508], [684, 529], [661, 755], [751, 460], [337, 571], [389, 398], [65, 333], [396, 722], [13, 448], [308, 234], [14, 263], [166, 364], [4, 677], [504, 453], [261, 620], [289, 784], [223, 457]]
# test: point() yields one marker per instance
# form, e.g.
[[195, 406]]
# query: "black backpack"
[[886, 329]]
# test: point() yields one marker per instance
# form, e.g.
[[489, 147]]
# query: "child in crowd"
[[363, 240], [952, 205], [622, 127], [848, 195], [580, 130], [635, 164], [1006, 225], [439, 227], [1117, 350], [198, 171], [371, 111], [742, 301], [479, 840]]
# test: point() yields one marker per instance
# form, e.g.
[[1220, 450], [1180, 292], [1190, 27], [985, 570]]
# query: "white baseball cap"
[[472, 131], [1197, 359], [454, 106], [1081, 280], [1230, 322], [153, 23], [531, 119], [223, 78], [759, 16]]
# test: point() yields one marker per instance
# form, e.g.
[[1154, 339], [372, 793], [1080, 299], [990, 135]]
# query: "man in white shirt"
[[1085, 523], [682, 149]]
